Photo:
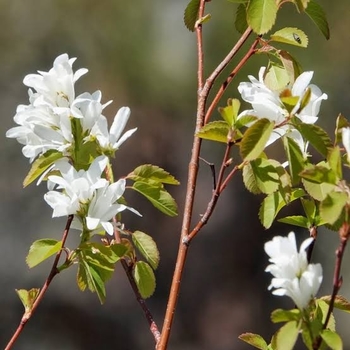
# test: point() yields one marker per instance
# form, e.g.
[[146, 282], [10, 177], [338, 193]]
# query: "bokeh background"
[[140, 54]]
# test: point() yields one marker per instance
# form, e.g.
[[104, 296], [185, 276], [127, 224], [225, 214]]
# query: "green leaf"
[[215, 131], [317, 191], [332, 206], [334, 161], [280, 315], [154, 173], [265, 174], [276, 78], [296, 220], [317, 137], [158, 196], [145, 279], [261, 15], [301, 5], [340, 302], [230, 112], [273, 203], [309, 207], [40, 165], [290, 64], [147, 247], [342, 122], [28, 298], [241, 23], [249, 179], [287, 336], [255, 340], [238, 1], [322, 311], [332, 339], [319, 174], [255, 139], [41, 250], [191, 14], [88, 276], [295, 158], [318, 16], [244, 120], [292, 36]]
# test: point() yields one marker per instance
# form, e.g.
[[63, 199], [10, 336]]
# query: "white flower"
[[104, 206], [268, 104], [112, 140], [78, 187], [346, 141], [40, 130], [293, 275], [55, 87]]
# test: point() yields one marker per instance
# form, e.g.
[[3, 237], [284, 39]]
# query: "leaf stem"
[[54, 271]]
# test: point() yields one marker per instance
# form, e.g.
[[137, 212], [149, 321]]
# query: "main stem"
[[190, 193]]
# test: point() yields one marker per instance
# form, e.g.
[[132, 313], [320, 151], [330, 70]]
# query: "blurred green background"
[[140, 54]]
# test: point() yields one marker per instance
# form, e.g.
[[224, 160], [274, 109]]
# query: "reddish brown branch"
[[337, 279], [234, 72], [128, 271], [54, 271]]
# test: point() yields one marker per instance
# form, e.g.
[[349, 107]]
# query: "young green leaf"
[[332, 206], [332, 339], [334, 161], [255, 139], [266, 174], [317, 191], [241, 23], [145, 279], [342, 122], [215, 131], [295, 158], [287, 336], [147, 247], [290, 64], [191, 14], [292, 36], [318, 16], [28, 297], [280, 315], [340, 302], [273, 203], [301, 4], [296, 220], [158, 196], [309, 207], [249, 179], [261, 15], [255, 340], [40, 165], [317, 137], [319, 174], [230, 112], [277, 77], [154, 173], [41, 250]]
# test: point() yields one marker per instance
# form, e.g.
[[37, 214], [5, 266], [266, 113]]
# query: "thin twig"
[[337, 279], [54, 271], [234, 72], [212, 168], [128, 271]]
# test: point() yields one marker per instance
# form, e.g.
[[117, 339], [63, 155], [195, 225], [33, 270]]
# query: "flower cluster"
[[77, 131], [47, 123], [270, 104], [292, 274]]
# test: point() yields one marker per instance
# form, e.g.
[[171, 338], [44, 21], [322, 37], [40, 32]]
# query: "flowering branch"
[[54, 271]]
